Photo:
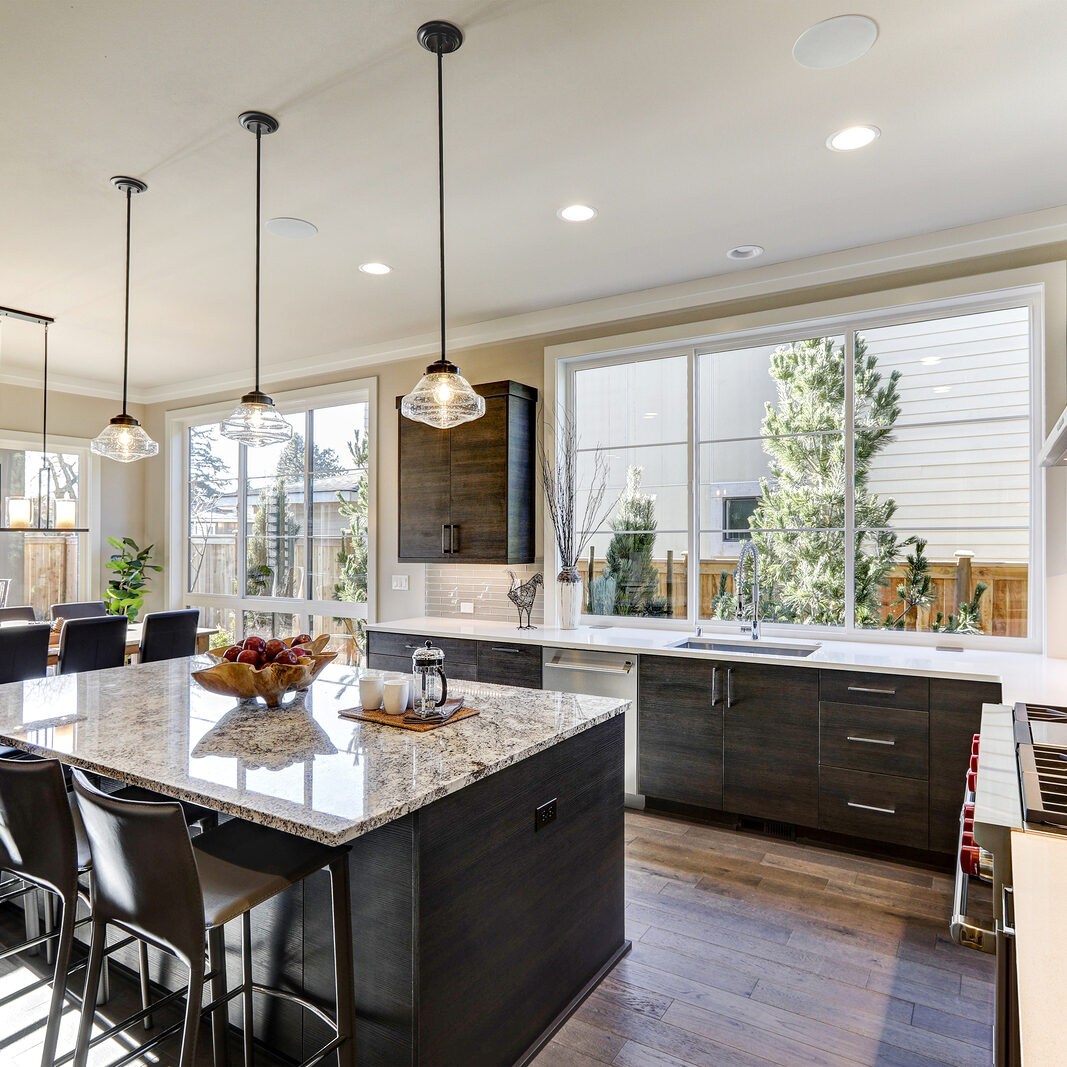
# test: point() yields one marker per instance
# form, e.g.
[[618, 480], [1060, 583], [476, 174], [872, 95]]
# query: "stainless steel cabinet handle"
[[624, 669], [453, 538], [495, 648], [870, 740], [446, 538], [872, 689], [871, 807], [714, 686], [729, 687]]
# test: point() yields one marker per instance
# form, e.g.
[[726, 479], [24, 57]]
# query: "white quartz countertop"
[[1025, 676], [300, 768]]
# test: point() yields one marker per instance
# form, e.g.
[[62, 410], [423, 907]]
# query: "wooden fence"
[[49, 571]]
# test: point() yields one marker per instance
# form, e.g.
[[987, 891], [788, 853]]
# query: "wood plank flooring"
[[748, 951], [751, 951]]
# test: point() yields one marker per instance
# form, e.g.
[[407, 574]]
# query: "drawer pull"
[[871, 807], [872, 689], [870, 741], [714, 686], [495, 648]]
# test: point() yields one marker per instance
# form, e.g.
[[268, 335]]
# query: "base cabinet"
[[495, 662], [679, 731]]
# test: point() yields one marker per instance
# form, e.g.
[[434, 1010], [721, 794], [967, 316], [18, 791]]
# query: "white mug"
[[370, 692], [397, 691]]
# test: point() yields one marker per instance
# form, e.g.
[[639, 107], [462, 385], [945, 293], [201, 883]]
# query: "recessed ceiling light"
[[375, 268], [294, 229], [651, 414], [942, 388], [852, 137], [930, 361], [577, 213], [745, 252], [835, 42]]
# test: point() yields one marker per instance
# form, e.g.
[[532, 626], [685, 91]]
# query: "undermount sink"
[[752, 648]]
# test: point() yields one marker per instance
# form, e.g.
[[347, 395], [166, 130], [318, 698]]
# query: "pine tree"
[[803, 436], [629, 558]]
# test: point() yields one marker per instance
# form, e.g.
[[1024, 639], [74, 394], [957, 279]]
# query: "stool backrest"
[[144, 873], [87, 609], [168, 635], [24, 651], [92, 644], [36, 825], [19, 614]]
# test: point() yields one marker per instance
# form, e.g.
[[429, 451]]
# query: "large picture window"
[[881, 467], [277, 538]]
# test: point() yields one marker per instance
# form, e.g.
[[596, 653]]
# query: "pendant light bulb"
[[256, 421], [443, 397], [123, 439]]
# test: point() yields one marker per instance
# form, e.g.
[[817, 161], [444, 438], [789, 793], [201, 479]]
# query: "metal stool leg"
[[32, 916], [216, 954], [92, 980], [142, 966], [246, 978], [343, 965], [191, 1029], [59, 981]]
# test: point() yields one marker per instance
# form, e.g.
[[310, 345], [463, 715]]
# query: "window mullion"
[[693, 459], [850, 485]]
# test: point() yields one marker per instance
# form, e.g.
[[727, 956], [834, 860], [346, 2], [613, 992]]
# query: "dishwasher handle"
[[623, 668]]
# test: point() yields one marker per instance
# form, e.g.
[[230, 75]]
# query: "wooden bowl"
[[272, 682]]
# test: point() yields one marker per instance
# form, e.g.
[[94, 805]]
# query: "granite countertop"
[[301, 768], [1027, 676]]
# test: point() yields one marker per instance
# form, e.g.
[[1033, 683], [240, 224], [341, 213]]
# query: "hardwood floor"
[[748, 951]]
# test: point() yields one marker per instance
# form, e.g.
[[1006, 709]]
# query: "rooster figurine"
[[522, 595]]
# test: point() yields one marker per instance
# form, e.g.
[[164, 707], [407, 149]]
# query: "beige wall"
[[121, 511]]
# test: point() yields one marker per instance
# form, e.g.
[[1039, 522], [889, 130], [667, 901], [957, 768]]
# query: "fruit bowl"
[[272, 681]]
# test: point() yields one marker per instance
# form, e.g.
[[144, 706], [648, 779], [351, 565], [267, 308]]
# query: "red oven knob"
[[968, 811], [972, 780], [969, 855]]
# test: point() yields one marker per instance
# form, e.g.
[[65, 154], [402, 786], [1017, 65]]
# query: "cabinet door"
[[423, 486], [505, 663], [679, 730], [771, 742], [955, 716], [479, 486]]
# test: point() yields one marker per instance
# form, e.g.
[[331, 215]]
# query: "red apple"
[[232, 653], [249, 656], [301, 639], [273, 647], [255, 643], [287, 658], [300, 651]]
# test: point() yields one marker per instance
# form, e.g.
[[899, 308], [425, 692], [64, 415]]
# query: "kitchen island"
[[475, 931]]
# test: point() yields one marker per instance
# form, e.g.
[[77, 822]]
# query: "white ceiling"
[[686, 122]]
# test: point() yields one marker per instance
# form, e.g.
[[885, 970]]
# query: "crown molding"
[[1014, 233]]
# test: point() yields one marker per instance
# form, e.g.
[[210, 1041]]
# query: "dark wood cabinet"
[[955, 716], [506, 663], [679, 731], [496, 662], [879, 807], [467, 494], [771, 742]]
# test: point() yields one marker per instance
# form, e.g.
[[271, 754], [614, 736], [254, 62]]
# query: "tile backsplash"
[[486, 587]]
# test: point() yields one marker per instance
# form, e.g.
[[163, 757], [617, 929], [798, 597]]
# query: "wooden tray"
[[385, 719]]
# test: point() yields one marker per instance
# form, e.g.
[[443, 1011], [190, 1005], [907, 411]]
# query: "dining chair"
[[168, 635], [86, 609], [20, 614], [92, 644], [24, 652]]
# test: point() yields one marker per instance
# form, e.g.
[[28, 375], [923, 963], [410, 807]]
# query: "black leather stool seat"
[[193, 812], [243, 864]]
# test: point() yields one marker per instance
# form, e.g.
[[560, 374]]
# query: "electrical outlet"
[[400, 581], [545, 814], [466, 607]]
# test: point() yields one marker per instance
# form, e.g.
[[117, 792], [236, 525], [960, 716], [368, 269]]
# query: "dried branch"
[[559, 474]]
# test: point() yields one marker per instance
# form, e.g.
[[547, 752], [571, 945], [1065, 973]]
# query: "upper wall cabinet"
[[467, 494]]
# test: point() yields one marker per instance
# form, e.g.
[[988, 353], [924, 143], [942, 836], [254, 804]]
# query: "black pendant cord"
[[441, 189], [44, 403], [126, 321], [259, 146]]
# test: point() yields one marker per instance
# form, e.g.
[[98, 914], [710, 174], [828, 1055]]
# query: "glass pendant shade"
[[256, 421], [18, 512], [443, 398], [66, 514], [123, 439]]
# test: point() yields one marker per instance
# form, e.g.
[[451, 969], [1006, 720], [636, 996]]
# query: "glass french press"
[[431, 685]]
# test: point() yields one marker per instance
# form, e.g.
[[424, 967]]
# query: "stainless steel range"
[[1017, 781]]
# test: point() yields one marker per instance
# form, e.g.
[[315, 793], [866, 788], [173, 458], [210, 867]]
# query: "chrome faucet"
[[746, 548]]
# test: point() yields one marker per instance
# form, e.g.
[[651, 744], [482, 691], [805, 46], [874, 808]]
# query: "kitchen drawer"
[[468, 672], [879, 807], [875, 690], [884, 740], [506, 663], [456, 650]]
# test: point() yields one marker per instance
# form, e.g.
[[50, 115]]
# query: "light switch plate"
[[466, 607], [400, 581]]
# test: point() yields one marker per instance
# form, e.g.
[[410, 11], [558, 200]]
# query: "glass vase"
[[569, 591]]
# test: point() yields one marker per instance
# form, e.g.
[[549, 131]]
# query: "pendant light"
[[443, 397], [256, 421], [123, 438]]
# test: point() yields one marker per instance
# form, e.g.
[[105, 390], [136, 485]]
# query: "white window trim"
[[176, 500], [1039, 288]]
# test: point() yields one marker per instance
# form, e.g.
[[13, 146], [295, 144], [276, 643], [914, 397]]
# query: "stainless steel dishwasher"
[[602, 674]]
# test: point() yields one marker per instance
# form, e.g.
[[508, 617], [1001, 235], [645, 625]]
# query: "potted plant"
[[129, 565], [560, 479]]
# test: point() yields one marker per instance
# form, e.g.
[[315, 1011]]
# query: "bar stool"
[[152, 880]]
